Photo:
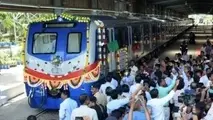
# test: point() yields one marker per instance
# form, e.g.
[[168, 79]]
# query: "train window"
[[74, 43], [44, 43]]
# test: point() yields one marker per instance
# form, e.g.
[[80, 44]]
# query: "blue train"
[[71, 52]]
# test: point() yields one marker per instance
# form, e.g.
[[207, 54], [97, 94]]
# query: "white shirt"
[[104, 86], [148, 96], [175, 98], [125, 95], [83, 111], [114, 82], [157, 106], [115, 104], [127, 80], [185, 57], [133, 88], [66, 108], [204, 79], [187, 82]]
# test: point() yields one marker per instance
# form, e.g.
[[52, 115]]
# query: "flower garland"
[[64, 16]]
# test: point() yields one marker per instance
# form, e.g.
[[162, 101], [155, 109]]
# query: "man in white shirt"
[[116, 103], [157, 104], [133, 69], [135, 86], [107, 84], [67, 106], [204, 79], [84, 111]]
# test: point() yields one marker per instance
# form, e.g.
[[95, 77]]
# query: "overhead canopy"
[[186, 6]]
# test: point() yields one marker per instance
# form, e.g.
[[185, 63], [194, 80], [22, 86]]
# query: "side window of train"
[[44, 43], [121, 35], [74, 43]]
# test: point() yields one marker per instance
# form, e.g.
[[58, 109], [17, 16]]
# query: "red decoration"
[[58, 77], [136, 47]]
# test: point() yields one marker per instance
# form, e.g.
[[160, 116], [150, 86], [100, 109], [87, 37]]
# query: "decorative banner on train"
[[113, 46], [122, 59], [74, 79]]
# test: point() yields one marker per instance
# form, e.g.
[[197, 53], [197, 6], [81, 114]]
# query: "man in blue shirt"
[[67, 106], [140, 110]]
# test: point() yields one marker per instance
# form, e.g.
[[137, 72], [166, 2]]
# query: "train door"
[[142, 38], [150, 36], [111, 55], [146, 35], [137, 40], [130, 42]]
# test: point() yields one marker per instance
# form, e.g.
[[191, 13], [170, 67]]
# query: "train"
[[69, 52]]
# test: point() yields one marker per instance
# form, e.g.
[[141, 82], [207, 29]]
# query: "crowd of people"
[[178, 89], [173, 89]]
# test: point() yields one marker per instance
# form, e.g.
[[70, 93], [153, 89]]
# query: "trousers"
[[167, 113]]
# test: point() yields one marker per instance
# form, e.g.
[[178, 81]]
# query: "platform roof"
[[186, 6], [178, 7]]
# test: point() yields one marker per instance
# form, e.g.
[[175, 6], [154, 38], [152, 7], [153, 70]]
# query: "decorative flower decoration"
[[64, 16], [56, 60]]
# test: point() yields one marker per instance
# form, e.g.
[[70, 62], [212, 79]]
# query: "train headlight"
[[60, 19]]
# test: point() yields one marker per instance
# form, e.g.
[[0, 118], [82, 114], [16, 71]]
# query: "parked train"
[[71, 52]]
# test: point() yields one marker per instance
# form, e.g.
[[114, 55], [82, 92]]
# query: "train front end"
[[60, 54]]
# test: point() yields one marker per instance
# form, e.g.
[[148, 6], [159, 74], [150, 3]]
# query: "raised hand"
[[177, 83]]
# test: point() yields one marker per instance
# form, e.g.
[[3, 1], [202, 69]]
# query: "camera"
[[188, 98]]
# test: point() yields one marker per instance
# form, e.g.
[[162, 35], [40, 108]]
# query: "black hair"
[[93, 99], [158, 74], [200, 85], [83, 97], [66, 92], [109, 78], [152, 84], [114, 94], [196, 78], [138, 79], [96, 85], [154, 93], [125, 88], [181, 83], [119, 90], [31, 117], [146, 82], [116, 113], [108, 91], [190, 73]]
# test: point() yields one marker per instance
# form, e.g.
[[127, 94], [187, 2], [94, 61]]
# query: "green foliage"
[[13, 28]]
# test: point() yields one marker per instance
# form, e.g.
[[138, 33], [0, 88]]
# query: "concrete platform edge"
[[13, 92]]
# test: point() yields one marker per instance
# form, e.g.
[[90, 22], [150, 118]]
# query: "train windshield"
[[74, 43], [44, 43]]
